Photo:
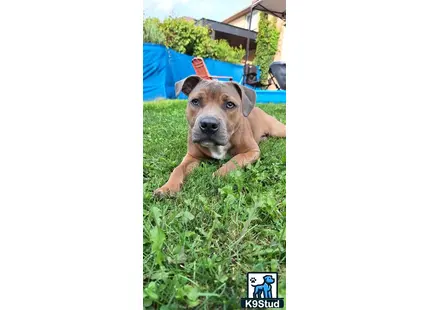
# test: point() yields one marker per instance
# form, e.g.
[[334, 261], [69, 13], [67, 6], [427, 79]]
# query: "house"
[[242, 18]]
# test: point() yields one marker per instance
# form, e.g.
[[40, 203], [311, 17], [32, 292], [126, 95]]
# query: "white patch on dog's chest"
[[219, 151]]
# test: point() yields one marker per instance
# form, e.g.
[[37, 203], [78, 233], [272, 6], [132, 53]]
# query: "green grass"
[[199, 245]]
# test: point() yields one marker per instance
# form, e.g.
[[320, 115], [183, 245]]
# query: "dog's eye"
[[195, 102], [230, 105]]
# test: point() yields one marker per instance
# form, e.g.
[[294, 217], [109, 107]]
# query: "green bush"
[[267, 45], [152, 32], [185, 37], [225, 52], [182, 35]]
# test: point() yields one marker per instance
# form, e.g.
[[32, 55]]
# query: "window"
[[254, 22]]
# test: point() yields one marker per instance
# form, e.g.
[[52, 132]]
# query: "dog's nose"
[[209, 125]]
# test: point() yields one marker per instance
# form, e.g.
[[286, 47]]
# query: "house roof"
[[274, 7], [189, 18], [226, 28], [237, 15]]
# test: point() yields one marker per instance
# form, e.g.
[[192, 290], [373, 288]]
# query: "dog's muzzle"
[[209, 130]]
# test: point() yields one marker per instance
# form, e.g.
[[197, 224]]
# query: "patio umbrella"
[[274, 7]]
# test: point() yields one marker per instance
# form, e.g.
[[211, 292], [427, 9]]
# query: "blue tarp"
[[163, 67], [155, 72], [271, 96]]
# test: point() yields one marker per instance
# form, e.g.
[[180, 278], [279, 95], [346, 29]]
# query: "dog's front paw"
[[221, 172], [167, 190]]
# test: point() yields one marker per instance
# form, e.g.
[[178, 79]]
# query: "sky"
[[216, 10]]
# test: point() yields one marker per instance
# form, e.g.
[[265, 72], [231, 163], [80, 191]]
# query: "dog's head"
[[268, 279], [215, 109]]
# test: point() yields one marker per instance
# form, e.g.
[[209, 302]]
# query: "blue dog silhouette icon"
[[265, 288]]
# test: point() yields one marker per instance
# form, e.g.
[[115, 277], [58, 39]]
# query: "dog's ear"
[[187, 85], [248, 97]]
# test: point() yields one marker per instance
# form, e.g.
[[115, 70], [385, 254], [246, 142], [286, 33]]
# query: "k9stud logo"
[[262, 291]]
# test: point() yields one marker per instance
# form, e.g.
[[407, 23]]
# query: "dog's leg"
[[274, 128], [277, 129], [176, 179], [240, 160], [257, 293]]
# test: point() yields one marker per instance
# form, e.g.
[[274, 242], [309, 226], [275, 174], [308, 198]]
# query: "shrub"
[[185, 37], [267, 45], [223, 51], [152, 32]]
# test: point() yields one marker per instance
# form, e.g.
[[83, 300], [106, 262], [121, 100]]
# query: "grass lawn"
[[199, 245]]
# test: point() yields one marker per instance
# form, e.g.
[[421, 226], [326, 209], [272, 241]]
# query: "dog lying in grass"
[[223, 121]]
